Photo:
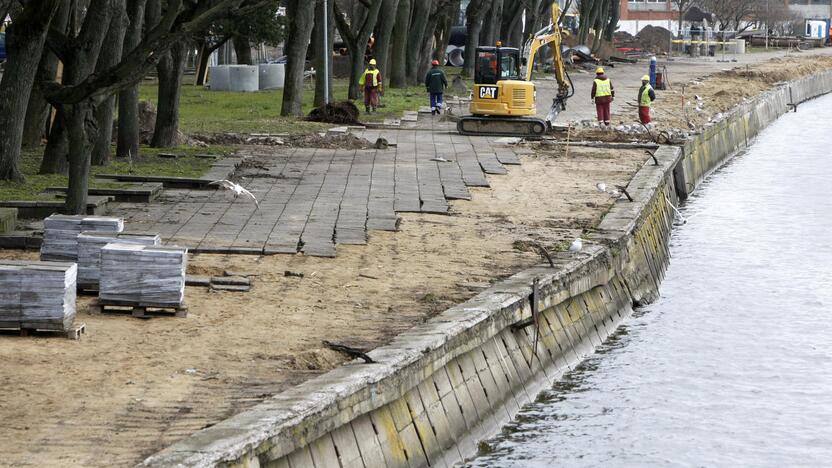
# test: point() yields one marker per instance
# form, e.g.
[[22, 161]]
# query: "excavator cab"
[[499, 89], [495, 64], [503, 97]]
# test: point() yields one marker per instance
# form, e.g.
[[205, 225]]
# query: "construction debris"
[[143, 275], [37, 295], [60, 234]]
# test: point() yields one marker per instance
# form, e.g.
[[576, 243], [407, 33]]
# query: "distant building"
[[636, 14], [810, 9]]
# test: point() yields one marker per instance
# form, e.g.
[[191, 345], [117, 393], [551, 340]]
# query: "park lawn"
[[148, 164], [204, 111]]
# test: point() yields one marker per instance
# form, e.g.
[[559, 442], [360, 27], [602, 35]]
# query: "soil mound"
[[340, 113], [654, 38]]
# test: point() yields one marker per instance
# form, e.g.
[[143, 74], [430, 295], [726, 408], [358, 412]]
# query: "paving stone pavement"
[[313, 199]]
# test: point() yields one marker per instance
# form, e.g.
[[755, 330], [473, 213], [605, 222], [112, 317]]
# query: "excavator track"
[[528, 127]]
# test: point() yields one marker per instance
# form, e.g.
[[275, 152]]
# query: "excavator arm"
[[550, 35]]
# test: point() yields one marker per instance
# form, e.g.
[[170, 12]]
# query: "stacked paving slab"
[[143, 275], [89, 251], [60, 234], [37, 295]]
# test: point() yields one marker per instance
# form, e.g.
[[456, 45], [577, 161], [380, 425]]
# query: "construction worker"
[[646, 96], [435, 84], [602, 95], [373, 85]]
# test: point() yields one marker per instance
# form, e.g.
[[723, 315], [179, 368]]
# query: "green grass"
[[204, 111], [148, 164]]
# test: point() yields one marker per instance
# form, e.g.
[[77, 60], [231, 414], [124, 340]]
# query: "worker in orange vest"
[[373, 85], [602, 95]]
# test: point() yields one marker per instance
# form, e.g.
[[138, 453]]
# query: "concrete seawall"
[[708, 150], [439, 388]]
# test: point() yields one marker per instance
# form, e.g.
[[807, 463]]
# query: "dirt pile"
[[342, 141], [339, 113], [312, 140], [654, 39]]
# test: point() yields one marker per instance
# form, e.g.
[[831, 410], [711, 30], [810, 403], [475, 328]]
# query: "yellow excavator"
[[503, 98]]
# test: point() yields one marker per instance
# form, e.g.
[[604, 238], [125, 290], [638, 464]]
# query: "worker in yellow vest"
[[373, 85], [646, 96], [602, 95]]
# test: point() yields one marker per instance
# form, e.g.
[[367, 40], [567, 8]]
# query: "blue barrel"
[[653, 71]]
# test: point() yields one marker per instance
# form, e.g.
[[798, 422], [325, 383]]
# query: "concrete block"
[[367, 440], [301, 458], [272, 75], [8, 220], [346, 446], [323, 452], [243, 78], [413, 447], [389, 441], [218, 78]]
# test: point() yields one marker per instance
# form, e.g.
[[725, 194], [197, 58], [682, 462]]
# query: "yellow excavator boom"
[[551, 36], [504, 98]]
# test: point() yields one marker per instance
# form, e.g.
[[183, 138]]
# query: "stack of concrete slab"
[[37, 295], [89, 251], [60, 234], [143, 275]]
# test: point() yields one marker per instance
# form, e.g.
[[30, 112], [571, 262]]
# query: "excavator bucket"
[[558, 105]]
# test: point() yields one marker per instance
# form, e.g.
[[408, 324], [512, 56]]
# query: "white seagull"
[[576, 245], [236, 188]]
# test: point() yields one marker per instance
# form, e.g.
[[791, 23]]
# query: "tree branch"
[[172, 28], [343, 26]]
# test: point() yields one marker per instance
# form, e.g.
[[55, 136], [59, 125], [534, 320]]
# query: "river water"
[[732, 366]]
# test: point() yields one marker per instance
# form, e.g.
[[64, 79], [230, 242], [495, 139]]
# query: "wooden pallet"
[[74, 333], [136, 309], [84, 289]]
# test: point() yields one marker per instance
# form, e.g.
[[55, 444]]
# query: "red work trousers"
[[603, 112], [644, 114], [371, 97]]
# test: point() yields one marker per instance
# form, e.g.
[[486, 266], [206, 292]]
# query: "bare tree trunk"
[[474, 14], [110, 55], [171, 68], [80, 135], [418, 24], [38, 110], [357, 35], [426, 53], [300, 28], [127, 137], [442, 32], [81, 130], [26, 36], [491, 28], [384, 36], [242, 48], [36, 126], [204, 56], [55, 155], [398, 53], [322, 54]]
